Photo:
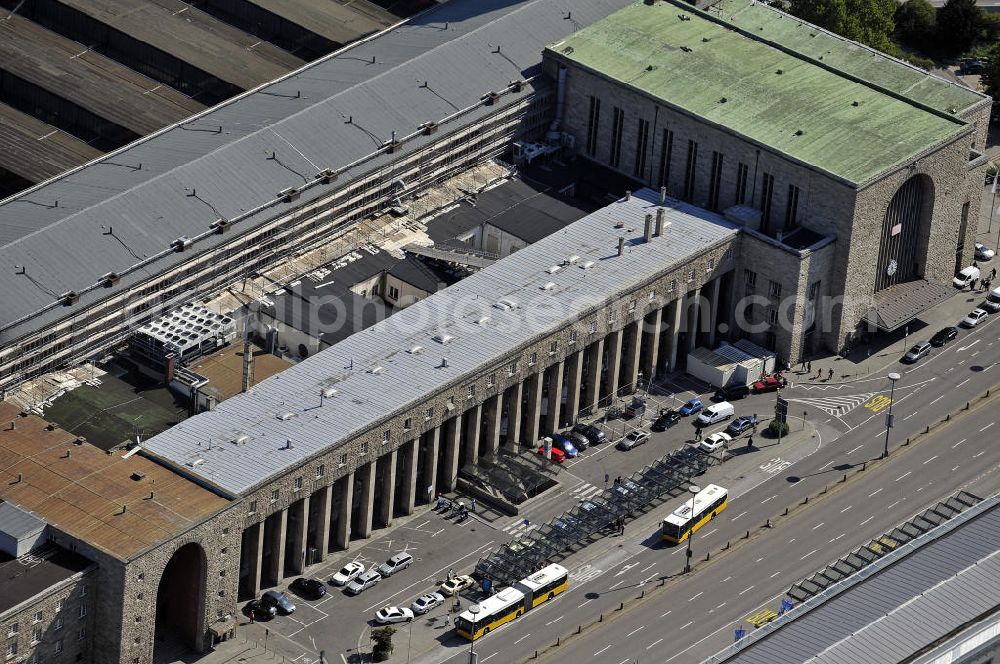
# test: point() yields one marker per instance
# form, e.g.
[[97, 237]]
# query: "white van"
[[965, 277], [993, 300], [715, 413]]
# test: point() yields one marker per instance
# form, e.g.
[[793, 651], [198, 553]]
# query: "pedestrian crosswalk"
[[585, 490], [523, 526], [836, 406], [519, 527]]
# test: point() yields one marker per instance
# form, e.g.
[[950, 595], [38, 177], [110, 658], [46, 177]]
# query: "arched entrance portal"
[[180, 603], [906, 221]]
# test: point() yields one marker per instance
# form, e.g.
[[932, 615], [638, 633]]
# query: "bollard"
[[824, 489], [579, 628], [747, 535], [663, 582], [786, 512], [621, 606], [966, 405], [642, 594], [768, 524], [806, 501], [907, 441], [558, 641], [947, 418], [726, 547], [601, 619], [536, 655], [845, 478], [927, 429], [864, 466]]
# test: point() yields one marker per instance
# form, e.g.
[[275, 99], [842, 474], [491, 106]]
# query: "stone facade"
[[57, 625]]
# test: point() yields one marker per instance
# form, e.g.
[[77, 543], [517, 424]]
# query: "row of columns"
[[591, 374]]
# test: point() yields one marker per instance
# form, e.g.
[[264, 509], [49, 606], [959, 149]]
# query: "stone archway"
[[905, 228], [180, 602]]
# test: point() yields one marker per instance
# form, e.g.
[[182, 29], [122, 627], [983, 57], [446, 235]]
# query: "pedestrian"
[[809, 367], [451, 573], [458, 605], [972, 285], [473, 505], [819, 372], [621, 527], [830, 375], [251, 616], [993, 274], [447, 620], [750, 443]]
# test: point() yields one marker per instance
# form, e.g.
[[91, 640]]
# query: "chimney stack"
[[621, 246], [663, 195], [628, 194], [659, 222], [444, 362], [647, 233]]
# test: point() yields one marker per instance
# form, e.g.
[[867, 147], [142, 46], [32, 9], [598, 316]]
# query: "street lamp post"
[[473, 658], [694, 489], [893, 377]]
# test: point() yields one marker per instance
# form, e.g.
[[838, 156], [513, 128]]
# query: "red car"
[[769, 384], [558, 455]]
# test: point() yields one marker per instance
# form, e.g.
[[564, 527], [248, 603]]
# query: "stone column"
[[694, 313], [321, 536], [652, 339], [631, 346], [471, 420], [531, 433], [573, 371], [713, 314], [299, 536], [677, 306], [431, 461], [256, 566], [492, 415], [515, 393], [367, 497], [452, 435], [409, 481], [388, 489], [595, 360], [553, 377], [614, 345], [342, 538], [278, 539]]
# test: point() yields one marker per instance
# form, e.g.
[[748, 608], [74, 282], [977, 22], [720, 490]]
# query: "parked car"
[[731, 392], [974, 318], [427, 602], [565, 444], [635, 408], [363, 582], [308, 588], [279, 600], [770, 383], [741, 424], [691, 407], [666, 419], [393, 614], [262, 610], [715, 442], [992, 301], [922, 349], [593, 434], [396, 563], [348, 573], [558, 455], [965, 277], [984, 253], [944, 335], [717, 412], [580, 441], [452, 587], [634, 439]]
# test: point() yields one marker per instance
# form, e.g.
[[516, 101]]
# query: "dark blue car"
[[563, 443], [691, 407]]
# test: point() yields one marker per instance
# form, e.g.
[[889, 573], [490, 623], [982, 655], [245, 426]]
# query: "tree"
[[870, 22], [958, 24], [383, 643], [991, 74], [916, 21]]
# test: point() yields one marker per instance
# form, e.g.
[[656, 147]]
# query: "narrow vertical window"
[[715, 181], [593, 120], [691, 171], [766, 193], [792, 208], [666, 153], [641, 142], [617, 124], [742, 170]]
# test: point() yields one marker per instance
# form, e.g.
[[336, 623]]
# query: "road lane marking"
[[602, 650], [910, 415], [846, 508], [726, 579], [649, 578], [970, 345], [978, 455], [580, 606], [656, 642], [759, 559], [488, 656], [738, 516], [819, 525], [903, 475], [987, 427], [694, 597], [617, 584], [767, 499], [664, 615], [746, 590], [866, 520], [962, 383], [837, 537], [704, 535], [687, 624], [954, 469], [856, 449], [936, 400], [894, 504], [959, 443], [874, 492], [647, 567], [554, 621], [929, 460], [808, 554], [721, 605], [775, 574], [637, 629]]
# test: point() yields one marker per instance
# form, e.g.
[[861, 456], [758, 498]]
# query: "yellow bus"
[[707, 503], [510, 603]]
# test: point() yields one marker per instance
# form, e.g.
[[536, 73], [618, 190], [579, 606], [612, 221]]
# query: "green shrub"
[[778, 428]]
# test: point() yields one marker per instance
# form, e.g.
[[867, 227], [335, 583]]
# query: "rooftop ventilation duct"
[[110, 279], [285, 416], [659, 221], [69, 298], [326, 176], [289, 195], [181, 243], [548, 285], [554, 269], [221, 226], [376, 370], [443, 338], [647, 232], [621, 246], [415, 350]]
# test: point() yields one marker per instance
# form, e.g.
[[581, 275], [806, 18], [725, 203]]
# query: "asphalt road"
[[927, 391]]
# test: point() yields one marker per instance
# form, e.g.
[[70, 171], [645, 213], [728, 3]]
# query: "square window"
[[364, 447], [429, 413], [321, 470], [631, 306], [298, 483], [252, 510], [11, 649], [57, 625], [774, 289], [673, 285], [593, 327], [408, 423], [12, 630], [553, 347], [572, 336], [612, 317], [343, 459], [58, 649], [711, 265], [491, 380], [225, 531], [37, 618], [274, 495], [512, 368], [386, 436], [470, 392], [83, 607], [36, 635], [691, 275], [533, 359]]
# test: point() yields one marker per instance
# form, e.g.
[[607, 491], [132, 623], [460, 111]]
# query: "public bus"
[[684, 521], [510, 603]]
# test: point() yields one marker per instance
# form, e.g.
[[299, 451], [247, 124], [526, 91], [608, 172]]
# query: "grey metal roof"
[[18, 523], [911, 599], [365, 398], [143, 192]]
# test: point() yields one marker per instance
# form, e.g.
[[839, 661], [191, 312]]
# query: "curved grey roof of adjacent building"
[[286, 407], [236, 157]]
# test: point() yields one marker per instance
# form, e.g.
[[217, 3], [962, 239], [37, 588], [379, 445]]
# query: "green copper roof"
[[818, 116]]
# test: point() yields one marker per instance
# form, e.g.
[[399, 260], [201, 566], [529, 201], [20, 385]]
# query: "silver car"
[[425, 603], [922, 349], [394, 564], [364, 582]]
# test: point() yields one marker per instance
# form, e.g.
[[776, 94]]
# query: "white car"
[[715, 442], [984, 253], [348, 573], [457, 585], [974, 318], [425, 603], [965, 277], [393, 614], [364, 582]]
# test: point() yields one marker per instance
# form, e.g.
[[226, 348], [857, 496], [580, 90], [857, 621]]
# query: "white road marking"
[[894, 504], [637, 629], [664, 615], [488, 656], [738, 516], [648, 578], [759, 559], [694, 597], [808, 554], [650, 565], [584, 604], [910, 415], [687, 624], [617, 584], [959, 443], [746, 590], [837, 537], [551, 622], [936, 400], [775, 574], [856, 449], [904, 475], [978, 455], [954, 469], [522, 639], [819, 525], [846, 508], [767, 499], [721, 605], [874, 492], [963, 383], [602, 650], [726, 579], [987, 427], [929, 460], [656, 642], [704, 535]]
